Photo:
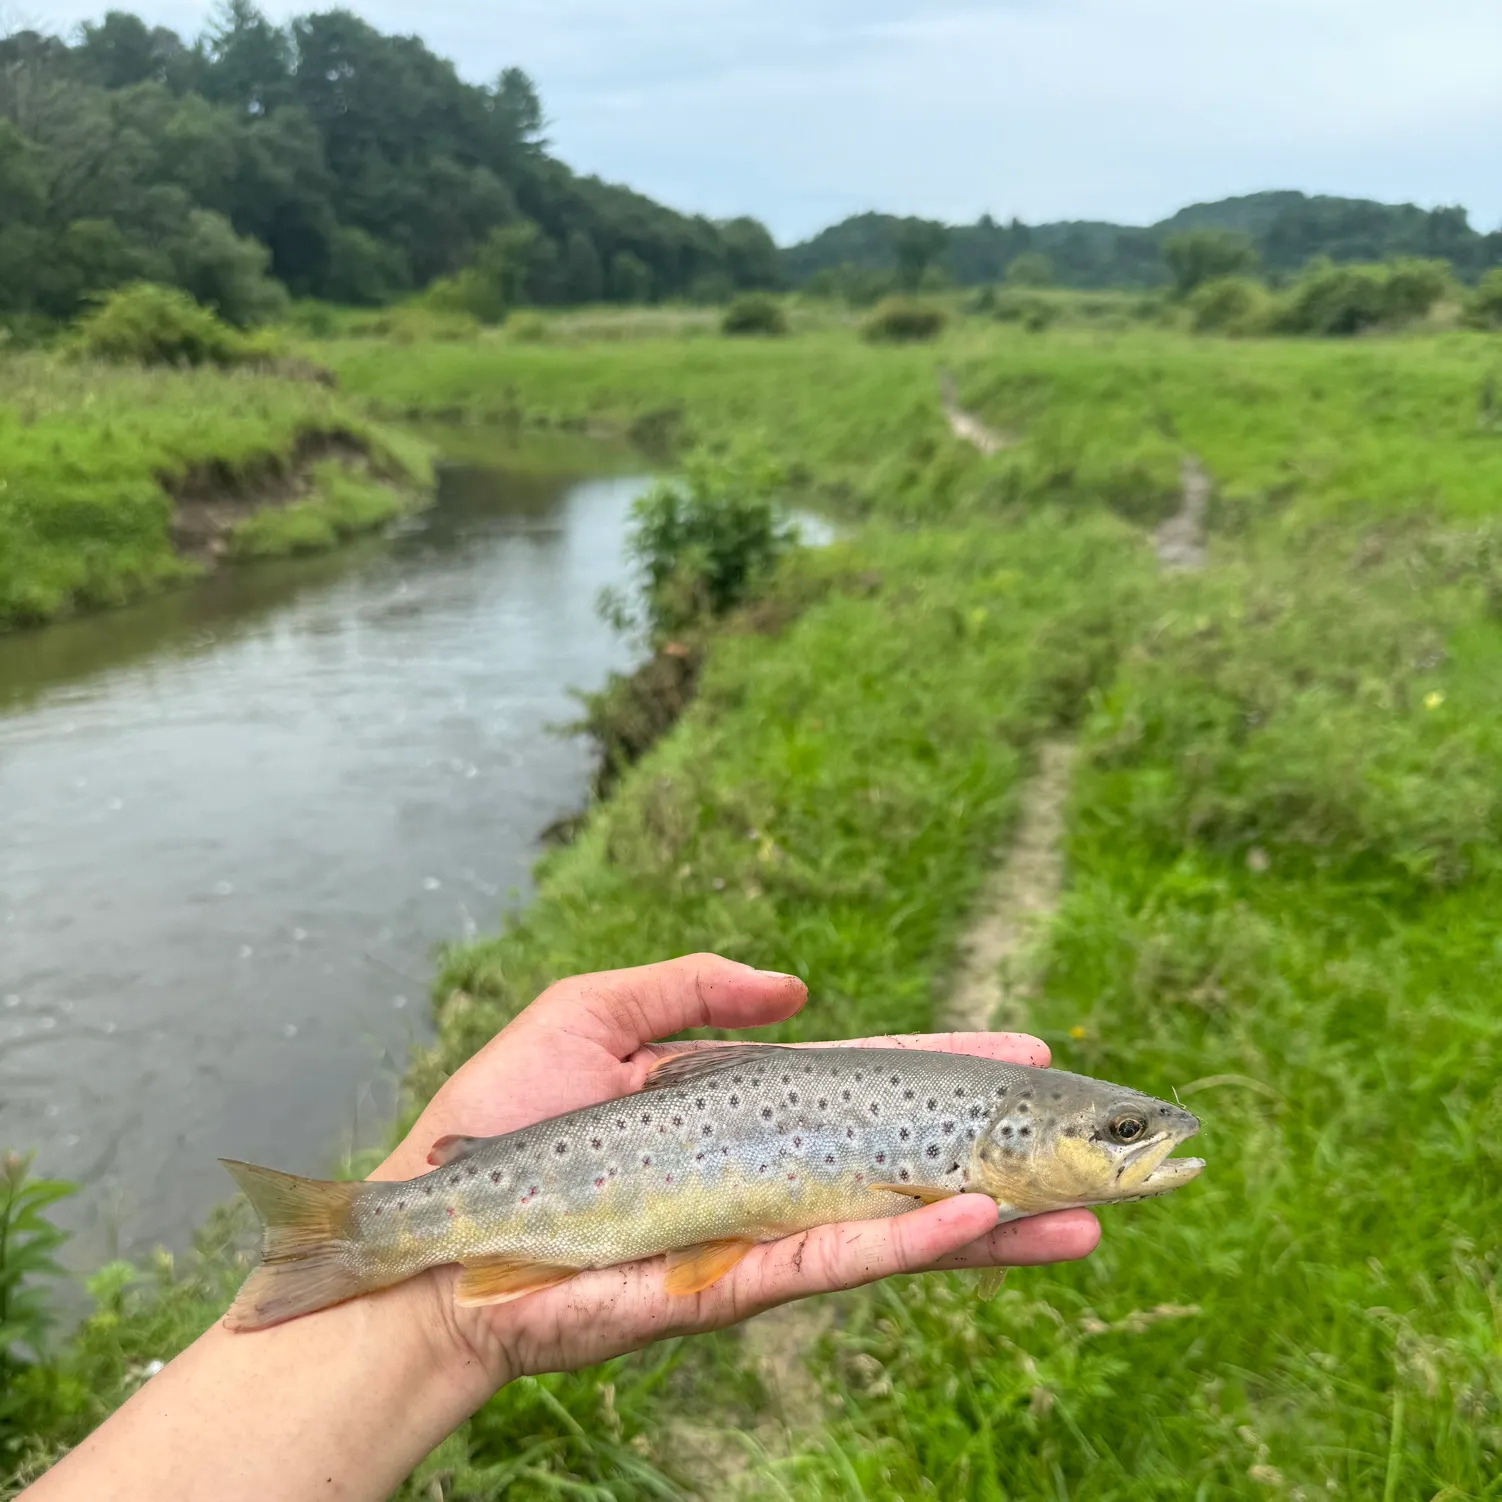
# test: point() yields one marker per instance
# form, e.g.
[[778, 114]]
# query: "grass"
[[1283, 885], [90, 455]]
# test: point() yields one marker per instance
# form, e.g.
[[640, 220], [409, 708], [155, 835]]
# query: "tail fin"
[[309, 1256]]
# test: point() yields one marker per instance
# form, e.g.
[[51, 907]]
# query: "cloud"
[[801, 111]]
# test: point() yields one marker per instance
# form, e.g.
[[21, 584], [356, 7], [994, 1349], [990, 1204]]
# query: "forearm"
[[341, 1404]]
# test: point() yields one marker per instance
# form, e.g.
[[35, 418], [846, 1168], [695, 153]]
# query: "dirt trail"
[[1000, 956], [999, 953], [1180, 541], [965, 425]]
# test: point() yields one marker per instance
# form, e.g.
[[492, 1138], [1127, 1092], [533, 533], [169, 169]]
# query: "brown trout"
[[723, 1148]]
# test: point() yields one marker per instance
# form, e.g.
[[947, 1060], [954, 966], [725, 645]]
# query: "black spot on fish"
[[377, 1209], [735, 1100], [954, 1168], [896, 1079], [1006, 1131], [1024, 1131], [677, 1121], [706, 1130], [881, 1157], [797, 1142], [844, 1095], [947, 1128], [620, 1125], [471, 1171], [829, 1157], [792, 1097], [495, 1178], [904, 1134], [698, 1157], [933, 1105], [907, 1095], [787, 1079], [428, 1189], [849, 1132], [932, 1150], [859, 1076], [597, 1143], [903, 1174], [959, 1092], [699, 1104], [762, 1169], [561, 1148], [646, 1162], [646, 1118], [740, 1079], [766, 1113], [1058, 1095], [823, 1103], [1001, 1090], [874, 1108]]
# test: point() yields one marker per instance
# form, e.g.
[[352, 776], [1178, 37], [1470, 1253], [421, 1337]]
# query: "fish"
[[723, 1148]]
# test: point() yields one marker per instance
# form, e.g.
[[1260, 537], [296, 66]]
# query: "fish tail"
[[310, 1257]]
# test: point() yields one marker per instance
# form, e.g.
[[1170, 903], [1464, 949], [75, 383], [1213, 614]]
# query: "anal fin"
[[499, 1280], [928, 1194], [447, 1149], [692, 1269]]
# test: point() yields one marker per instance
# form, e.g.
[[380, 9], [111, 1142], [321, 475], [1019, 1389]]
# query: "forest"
[[323, 159], [320, 159]]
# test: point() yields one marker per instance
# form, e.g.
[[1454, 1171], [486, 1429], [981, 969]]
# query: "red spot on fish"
[[792, 1178], [448, 1210], [599, 1183]]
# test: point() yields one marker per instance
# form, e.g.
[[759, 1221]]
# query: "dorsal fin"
[[683, 1068]]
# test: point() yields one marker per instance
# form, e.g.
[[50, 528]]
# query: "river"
[[236, 820]]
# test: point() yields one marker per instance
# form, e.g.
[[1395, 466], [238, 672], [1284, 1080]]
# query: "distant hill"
[[1287, 227]]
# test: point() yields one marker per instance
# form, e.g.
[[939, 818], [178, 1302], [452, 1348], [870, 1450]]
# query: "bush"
[[897, 320], [754, 313], [1343, 300], [1234, 305], [1205, 256], [1030, 269], [528, 328], [147, 324], [704, 543], [1483, 309], [1034, 313]]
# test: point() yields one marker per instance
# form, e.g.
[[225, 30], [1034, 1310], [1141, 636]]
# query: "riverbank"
[[1279, 889], [122, 481]]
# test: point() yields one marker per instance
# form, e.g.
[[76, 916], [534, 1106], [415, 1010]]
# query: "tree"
[[583, 275], [751, 254], [1031, 269], [630, 278], [918, 243], [1204, 255], [518, 107]]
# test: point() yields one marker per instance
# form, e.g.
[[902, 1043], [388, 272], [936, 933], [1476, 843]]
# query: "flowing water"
[[236, 820]]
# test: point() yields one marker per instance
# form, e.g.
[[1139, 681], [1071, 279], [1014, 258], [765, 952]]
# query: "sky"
[[803, 111]]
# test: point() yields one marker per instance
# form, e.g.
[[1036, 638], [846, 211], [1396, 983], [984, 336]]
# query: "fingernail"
[[777, 974]]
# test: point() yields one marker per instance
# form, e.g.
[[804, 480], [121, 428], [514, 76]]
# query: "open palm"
[[594, 1037]]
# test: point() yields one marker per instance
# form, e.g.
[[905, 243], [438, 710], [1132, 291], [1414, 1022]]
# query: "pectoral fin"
[[447, 1149], [924, 1192], [692, 1269], [499, 1280]]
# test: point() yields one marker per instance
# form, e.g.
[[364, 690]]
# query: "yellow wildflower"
[[1433, 700]]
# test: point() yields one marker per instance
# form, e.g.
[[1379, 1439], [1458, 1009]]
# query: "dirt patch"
[[999, 953], [1180, 541], [965, 425], [210, 499]]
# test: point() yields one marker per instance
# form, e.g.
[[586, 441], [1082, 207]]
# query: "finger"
[[1060, 1236], [1009, 1048], [622, 1009]]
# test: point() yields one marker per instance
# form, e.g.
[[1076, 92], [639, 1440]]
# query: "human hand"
[[592, 1038]]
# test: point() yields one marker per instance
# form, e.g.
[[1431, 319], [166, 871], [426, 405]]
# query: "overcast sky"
[[803, 111]]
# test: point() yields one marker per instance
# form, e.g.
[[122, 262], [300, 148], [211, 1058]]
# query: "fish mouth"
[[1169, 1174], [1150, 1170]]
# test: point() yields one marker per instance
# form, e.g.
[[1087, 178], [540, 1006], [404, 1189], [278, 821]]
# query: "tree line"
[[1284, 231], [317, 159]]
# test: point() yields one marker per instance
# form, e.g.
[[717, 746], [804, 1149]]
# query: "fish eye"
[[1127, 1126]]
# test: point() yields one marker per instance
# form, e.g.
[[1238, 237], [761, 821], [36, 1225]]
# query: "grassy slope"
[[1283, 882], [85, 451]]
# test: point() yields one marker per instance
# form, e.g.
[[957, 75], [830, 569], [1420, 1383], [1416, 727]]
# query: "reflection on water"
[[235, 820]]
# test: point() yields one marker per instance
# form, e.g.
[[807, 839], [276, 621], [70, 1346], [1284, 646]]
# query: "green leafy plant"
[[147, 324], [27, 1243], [754, 313], [1229, 305], [899, 320]]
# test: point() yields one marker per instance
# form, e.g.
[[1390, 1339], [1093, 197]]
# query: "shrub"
[[1234, 305], [897, 320], [147, 324], [754, 313], [528, 328], [1030, 269], [1414, 287], [1483, 309], [1343, 300], [1034, 313], [704, 542]]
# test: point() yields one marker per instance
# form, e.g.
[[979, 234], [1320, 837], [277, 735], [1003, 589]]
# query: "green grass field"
[[90, 456], [1283, 882]]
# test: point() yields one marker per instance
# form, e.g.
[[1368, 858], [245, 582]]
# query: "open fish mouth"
[[1169, 1174]]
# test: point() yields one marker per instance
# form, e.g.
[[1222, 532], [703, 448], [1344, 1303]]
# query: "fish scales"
[[748, 1143]]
